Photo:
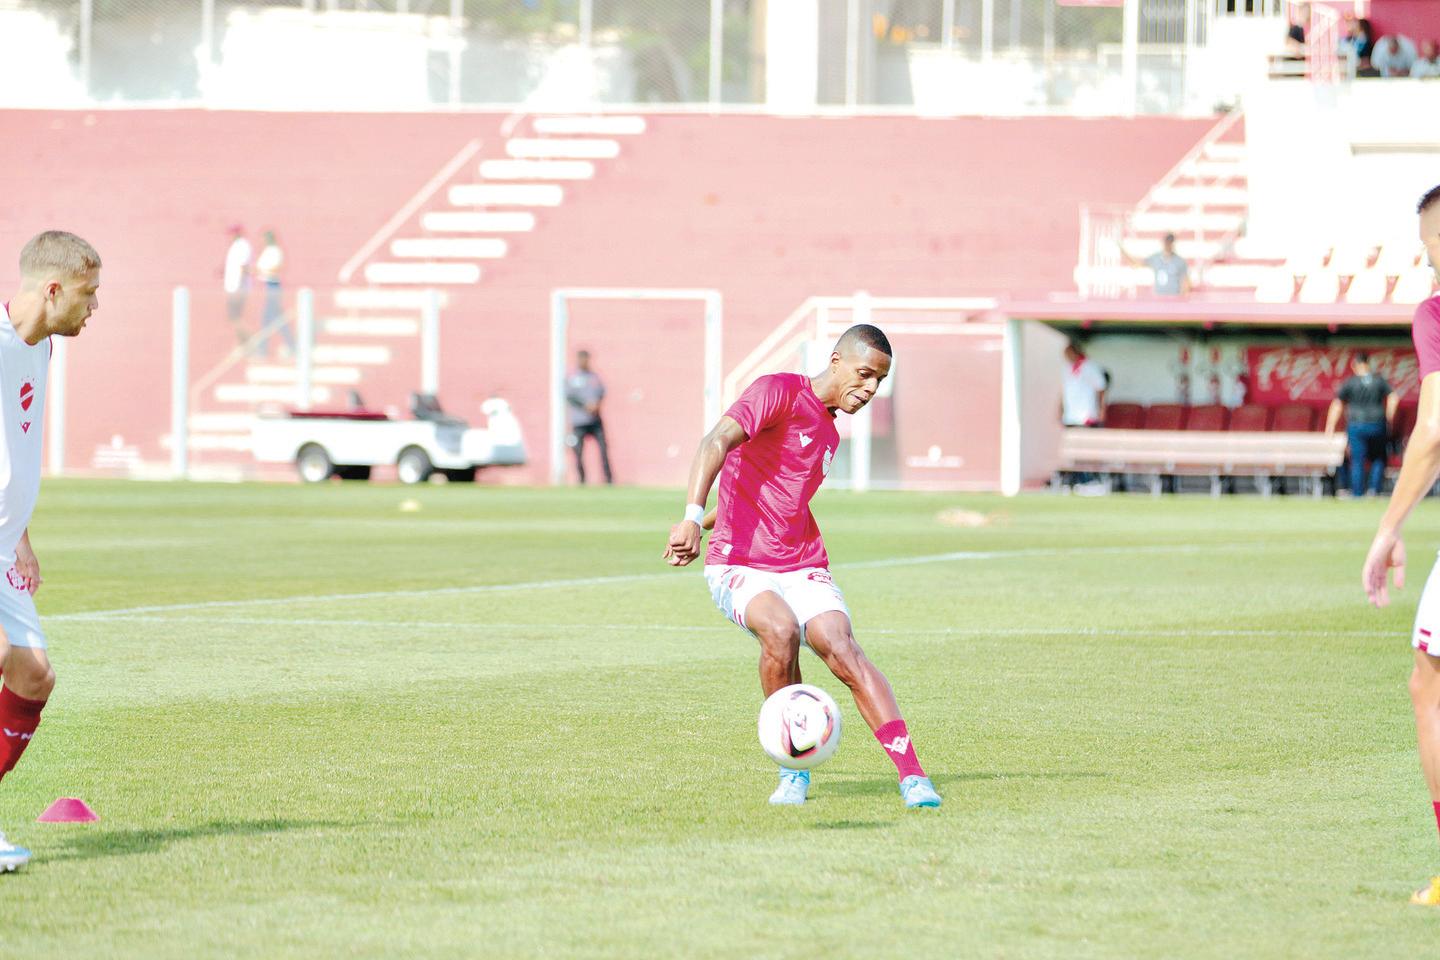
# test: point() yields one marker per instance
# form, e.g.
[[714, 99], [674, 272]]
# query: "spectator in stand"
[[1393, 56], [237, 281], [1369, 405], [1358, 43], [583, 393], [272, 320], [1428, 63], [1295, 35], [1083, 405], [1172, 274]]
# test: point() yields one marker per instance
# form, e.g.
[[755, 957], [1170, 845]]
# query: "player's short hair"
[[1432, 196], [1361, 357], [57, 252], [865, 335]]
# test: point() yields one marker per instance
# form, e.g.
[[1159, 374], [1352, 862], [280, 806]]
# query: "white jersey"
[[23, 373], [1083, 382]]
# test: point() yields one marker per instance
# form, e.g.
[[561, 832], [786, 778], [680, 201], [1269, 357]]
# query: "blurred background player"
[[1369, 406], [1418, 473], [584, 392], [59, 276], [766, 567]]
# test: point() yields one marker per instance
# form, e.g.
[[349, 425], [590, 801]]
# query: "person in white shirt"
[[1428, 63], [59, 277], [237, 281], [267, 267], [1393, 55], [1083, 404]]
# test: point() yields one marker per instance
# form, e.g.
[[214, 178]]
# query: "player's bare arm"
[[27, 563], [684, 543], [1418, 474]]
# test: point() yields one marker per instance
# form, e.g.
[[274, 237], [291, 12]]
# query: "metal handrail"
[[232, 359]]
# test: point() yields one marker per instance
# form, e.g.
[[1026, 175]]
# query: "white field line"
[[521, 586], [560, 628]]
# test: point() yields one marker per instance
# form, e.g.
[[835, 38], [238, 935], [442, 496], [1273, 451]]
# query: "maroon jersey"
[[763, 519], [1426, 333]]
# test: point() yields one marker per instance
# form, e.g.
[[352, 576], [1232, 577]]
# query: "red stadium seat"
[[1166, 416], [1124, 416], [1293, 418], [1251, 418], [1209, 417]]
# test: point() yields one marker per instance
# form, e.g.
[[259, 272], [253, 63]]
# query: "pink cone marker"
[[68, 810]]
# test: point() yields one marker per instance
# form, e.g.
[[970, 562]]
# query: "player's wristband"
[[694, 513]]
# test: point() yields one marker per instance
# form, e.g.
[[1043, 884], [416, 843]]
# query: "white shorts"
[[808, 592], [18, 616]]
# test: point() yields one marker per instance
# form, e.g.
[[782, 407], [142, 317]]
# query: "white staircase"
[[425, 247]]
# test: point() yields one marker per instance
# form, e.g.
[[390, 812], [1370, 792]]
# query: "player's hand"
[[1387, 552], [28, 566], [684, 543]]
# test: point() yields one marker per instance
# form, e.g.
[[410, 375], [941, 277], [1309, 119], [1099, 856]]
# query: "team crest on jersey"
[[15, 579], [27, 397], [829, 458]]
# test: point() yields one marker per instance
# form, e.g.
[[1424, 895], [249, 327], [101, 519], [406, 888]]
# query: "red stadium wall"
[[768, 210], [1416, 19]]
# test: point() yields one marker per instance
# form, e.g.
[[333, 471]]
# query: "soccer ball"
[[800, 726]]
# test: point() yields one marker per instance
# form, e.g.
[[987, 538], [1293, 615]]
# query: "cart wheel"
[[353, 473], [462, 475], [314, 463], [414, 465]]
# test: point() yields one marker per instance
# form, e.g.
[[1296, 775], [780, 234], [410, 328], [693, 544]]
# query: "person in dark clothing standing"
[[583, 393], [1369, 405]]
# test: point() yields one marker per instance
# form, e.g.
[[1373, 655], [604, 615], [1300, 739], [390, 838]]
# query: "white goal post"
[[560, 301]]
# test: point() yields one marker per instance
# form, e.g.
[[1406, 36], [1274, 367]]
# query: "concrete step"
[[342, 376], [537, 169], [1184, 222], [363, 298], [265, 393], [371, 326], [555, 148], [1226, 150], [1225, 196], [506, 194], [422, 273], [1191, 250], [446, 221], [1214, 170], [598, 126], [465, 248], [222, 422], [361, 354]]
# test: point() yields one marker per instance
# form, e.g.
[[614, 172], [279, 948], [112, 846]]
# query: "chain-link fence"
[[987, 56]]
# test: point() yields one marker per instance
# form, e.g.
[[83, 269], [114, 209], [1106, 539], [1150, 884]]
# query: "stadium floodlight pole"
[[304, 347], [1012, 363], [87, 23], [430, 343], [559, 333], [947, 26], [852, 53], [55, 406], [587, 22], [987, 30], [457, 17], [180, 383], [1129, 54], [861, 311]]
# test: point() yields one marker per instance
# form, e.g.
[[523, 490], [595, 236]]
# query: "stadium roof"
[[1208, 314]]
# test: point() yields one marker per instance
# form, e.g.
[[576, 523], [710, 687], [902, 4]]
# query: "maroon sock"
[[1436, 805], [18, 719], [895, 738]]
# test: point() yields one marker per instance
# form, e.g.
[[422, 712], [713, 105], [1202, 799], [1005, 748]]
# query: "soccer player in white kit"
[[767, 568], [59, 276]]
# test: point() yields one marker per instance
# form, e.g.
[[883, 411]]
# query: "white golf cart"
[[348, 444]]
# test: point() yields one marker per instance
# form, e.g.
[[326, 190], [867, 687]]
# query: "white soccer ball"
[[800, 726]]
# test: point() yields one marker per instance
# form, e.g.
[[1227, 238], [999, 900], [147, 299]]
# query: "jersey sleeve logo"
[[805, 441]]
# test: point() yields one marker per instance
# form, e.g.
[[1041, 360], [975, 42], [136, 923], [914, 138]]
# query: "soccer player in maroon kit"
[[1418, 475], [767, 566]]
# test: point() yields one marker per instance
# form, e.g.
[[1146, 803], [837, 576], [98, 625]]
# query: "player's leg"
[[1425, 699], [12, 857], [579, 438], [28, 680], [604, 451], [830, 636], [774, 625]]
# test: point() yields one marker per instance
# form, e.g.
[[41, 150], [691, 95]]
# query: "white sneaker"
[[12, 858]]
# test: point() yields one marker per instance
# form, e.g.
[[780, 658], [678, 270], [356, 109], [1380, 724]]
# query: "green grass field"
[[316, 725]]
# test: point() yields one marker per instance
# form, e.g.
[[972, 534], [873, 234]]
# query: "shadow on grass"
[[124, 843], [886, 785], [848, 825]]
